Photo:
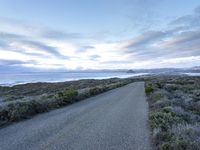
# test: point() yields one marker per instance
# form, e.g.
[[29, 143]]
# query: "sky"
[[98, 34]]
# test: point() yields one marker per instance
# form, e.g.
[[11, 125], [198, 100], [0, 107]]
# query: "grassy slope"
[[174, 112]]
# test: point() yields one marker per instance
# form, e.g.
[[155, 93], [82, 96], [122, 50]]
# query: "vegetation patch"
[[149, 88], [23, 101], [174, 112]]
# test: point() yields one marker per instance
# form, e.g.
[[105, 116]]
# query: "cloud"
[[118, 62], [192, 20], [94, 57], [6, 35], [35, 30], [59, 35], [183, 38], [146, 38], [27, 45], [173, 46], [84, 49], [45, 48], [3, 44], [197, 10], [180, 39], [10, 62]]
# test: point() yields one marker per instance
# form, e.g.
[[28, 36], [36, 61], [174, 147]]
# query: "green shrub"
[[166, 146], [159, 85], [161, 137], [95, 90], [68, 92], [188, 87], [163, 120], [149, 88], [45, 105], [156, 97], [179, 143], [171, 87], [167, 109], [67, 95]]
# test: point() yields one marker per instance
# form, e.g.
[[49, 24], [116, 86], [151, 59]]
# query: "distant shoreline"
[[18, 79], [21, 78]]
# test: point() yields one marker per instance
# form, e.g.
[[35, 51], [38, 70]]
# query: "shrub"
[[67, 95], [3, 113], [161, 137], [196, 107], [188, 87], [148, 88], [184, 115], [20, 110], [166, 146], [171, 87], [163, 120], [159, 85], [68, 92], [44, 105], [162, 103], [156, 97], [41, 106], [95, 90], [183, 144]]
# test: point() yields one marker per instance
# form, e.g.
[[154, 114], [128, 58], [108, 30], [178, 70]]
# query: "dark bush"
[[196, 107], [166, 146]]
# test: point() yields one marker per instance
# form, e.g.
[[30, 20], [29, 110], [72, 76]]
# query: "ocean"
[[9, 79]]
